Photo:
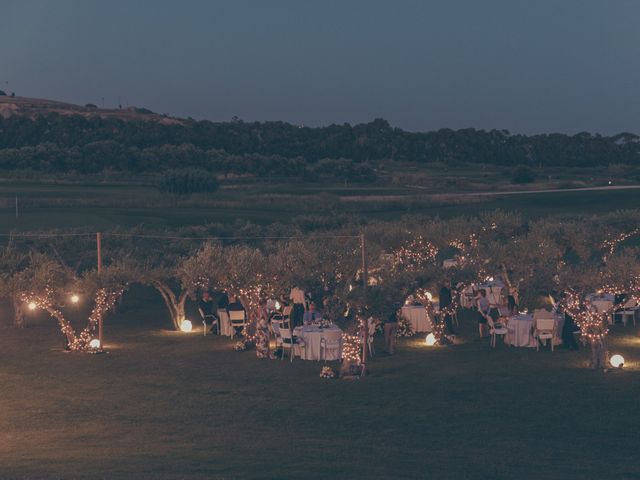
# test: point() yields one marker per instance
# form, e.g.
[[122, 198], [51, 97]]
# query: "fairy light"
[[105, 300], [32, 306], [351, 348], [415, 254]]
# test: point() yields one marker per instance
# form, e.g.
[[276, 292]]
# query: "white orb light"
[[431, 340], [95, 343], [186, 326], [429, 296], [278, 305], [32, 305], [75, 298], [617, 361]]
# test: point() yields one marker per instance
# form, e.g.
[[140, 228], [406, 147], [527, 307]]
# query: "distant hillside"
[[49, 136], [34, 107]]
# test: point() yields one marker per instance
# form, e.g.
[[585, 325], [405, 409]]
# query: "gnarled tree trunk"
[[175, 304], [18, 314]]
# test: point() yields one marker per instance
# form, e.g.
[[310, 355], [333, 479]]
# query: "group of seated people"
[[302, 310]]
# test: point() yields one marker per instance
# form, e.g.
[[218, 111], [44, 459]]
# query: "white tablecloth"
[[520, 331], [417, 315], [225, 324], [312, 336]]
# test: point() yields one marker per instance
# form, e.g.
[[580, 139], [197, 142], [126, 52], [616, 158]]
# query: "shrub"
[[523, 174], [189, 180]]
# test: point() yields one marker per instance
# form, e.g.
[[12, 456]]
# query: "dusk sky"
[[526, 66]]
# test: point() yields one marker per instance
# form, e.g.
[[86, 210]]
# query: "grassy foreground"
[[168, 405]]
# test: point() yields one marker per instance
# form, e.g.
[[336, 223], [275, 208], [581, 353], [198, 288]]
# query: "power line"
[[173, 237]]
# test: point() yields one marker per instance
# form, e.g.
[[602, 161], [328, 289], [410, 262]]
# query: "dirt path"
[[524, 192]]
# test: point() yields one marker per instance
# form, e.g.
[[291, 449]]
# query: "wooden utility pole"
[[365, 283], [365, 272], [99, 252]]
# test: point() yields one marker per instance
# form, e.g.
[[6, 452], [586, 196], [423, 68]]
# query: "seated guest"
[[206, 309], [311, 315], [223, 301]]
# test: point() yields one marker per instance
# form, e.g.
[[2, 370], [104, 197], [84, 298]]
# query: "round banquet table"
[[417, 316], [520, 331], [312, 336]]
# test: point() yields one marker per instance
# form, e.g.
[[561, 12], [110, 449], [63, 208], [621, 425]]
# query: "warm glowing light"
[[32, 305], [75, 298], [186, 326], [429, 296], [95, 343], [617, 361], [278, 305], [431, 339]]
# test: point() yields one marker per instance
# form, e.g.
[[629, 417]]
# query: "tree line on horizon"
[[66, 144]]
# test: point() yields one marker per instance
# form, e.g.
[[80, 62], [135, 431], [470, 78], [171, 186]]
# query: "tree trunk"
[[599, 355], [18, 314], [174, 305]]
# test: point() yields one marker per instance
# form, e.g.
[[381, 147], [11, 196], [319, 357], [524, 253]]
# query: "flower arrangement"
[[405, 329], [240, 346], [325, 323], [327, 372]]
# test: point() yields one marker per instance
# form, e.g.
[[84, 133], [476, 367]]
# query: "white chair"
[[629, 309], [289, 342], [545, 329], [330, 343], [276, 321], [237, 319], [495, 330]]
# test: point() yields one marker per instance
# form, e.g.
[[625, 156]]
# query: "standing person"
[[299, 306], [512, 306], [206, 308], [390, 331], [262, 330], [445, 300], [484, 307]]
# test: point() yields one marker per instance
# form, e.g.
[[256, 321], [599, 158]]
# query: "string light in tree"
[[351, 348]]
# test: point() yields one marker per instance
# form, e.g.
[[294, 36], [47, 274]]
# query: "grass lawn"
[[165, 405]]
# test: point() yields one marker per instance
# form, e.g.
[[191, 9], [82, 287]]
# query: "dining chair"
[[545, 329], [289, 342], [237, 318], [496, 329], [331, 343]]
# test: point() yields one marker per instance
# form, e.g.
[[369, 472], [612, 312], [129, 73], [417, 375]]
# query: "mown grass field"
[[108, 206], [169, 405]]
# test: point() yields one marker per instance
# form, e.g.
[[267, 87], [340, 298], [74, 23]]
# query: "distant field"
[[44, 206]]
